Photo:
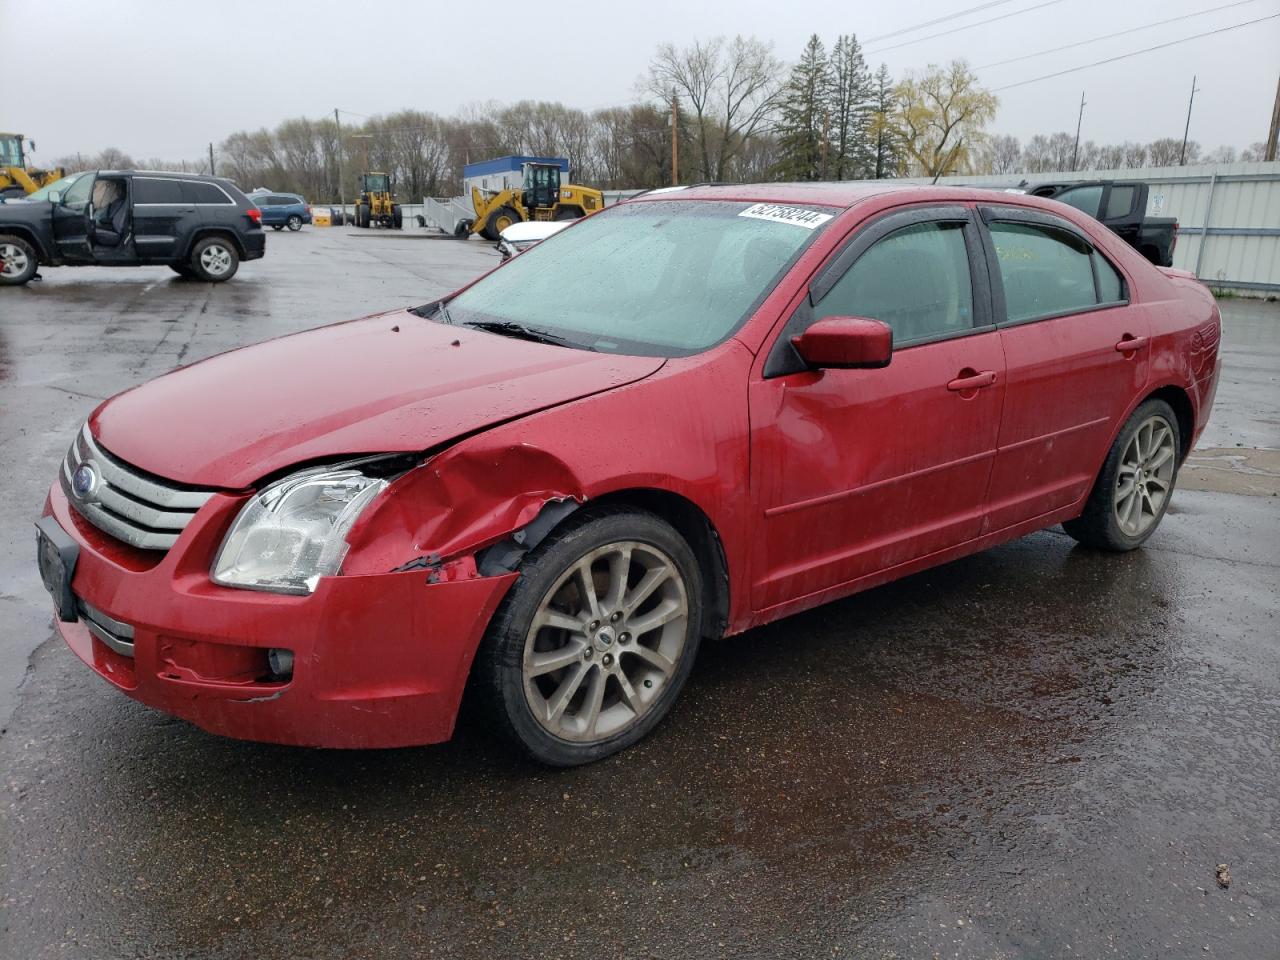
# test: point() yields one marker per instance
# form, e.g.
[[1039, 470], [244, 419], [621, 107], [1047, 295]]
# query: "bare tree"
[[1135, 154], [1003, 154], [730, 88], [1164, 152]]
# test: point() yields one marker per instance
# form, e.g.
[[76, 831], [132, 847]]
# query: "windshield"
[[664, 278], [60, 185], [376, 183]]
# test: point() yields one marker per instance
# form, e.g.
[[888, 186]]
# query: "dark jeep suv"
[[200, 227]]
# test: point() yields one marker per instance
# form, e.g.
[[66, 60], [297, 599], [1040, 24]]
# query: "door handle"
[[1128, 344], [972, 381]]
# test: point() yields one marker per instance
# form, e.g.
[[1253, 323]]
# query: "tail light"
[[308, 211], [254, 214]]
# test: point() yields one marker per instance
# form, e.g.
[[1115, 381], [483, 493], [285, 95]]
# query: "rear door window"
[[155, 190], [1085, 199], [1120, 203], [1045, 272]]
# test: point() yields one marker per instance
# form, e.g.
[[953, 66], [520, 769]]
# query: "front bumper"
[[379, 660]]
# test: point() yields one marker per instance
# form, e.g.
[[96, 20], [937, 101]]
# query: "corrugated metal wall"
[[1228, 216]]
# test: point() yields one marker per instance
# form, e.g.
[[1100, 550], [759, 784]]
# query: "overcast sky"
[[162, 79]]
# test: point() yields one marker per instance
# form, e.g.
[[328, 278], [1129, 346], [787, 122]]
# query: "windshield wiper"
[[509, 328]]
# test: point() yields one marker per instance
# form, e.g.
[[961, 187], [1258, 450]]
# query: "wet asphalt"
[[1038, 751]]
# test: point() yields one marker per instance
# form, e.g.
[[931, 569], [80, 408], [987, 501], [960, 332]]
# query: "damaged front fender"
[[505, 498]]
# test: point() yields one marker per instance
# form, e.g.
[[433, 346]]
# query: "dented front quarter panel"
[[683, 431]]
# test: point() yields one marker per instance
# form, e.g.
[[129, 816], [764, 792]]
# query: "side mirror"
[[843, 343], [55, 196]]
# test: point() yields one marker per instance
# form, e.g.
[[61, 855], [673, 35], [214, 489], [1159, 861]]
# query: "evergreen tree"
[[850, 152], [886, 150], [801, 115]]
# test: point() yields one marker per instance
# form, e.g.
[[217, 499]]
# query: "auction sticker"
[[809, 219]]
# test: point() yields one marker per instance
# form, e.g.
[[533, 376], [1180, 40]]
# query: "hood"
[[22, 210], [386, 384]]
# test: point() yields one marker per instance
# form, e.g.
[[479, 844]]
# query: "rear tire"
[[18, 261], [294, 223], [1133, 489], [571, 675], [277, 227], [182, 270], [362, 215], [214, 260], [397, 218]]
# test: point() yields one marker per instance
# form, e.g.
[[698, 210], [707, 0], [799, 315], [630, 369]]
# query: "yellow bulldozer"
[[376, 205], [16, 180], [541, 197]]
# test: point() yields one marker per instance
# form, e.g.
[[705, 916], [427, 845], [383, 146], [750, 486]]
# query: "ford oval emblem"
[[84, 480]]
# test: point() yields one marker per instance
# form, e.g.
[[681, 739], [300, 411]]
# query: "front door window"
[[916, 280]]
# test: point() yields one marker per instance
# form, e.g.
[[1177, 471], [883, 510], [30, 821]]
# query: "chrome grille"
[[142, 511]]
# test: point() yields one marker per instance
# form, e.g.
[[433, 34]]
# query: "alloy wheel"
[[605, 641], [13, 260], [216, 259], [1145, 478]]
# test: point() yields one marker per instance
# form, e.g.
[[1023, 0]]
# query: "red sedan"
[[685, 416]]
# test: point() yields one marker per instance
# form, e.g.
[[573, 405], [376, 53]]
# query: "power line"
[[978, 23], [1118, 33], [937, 20], [1126, 56]]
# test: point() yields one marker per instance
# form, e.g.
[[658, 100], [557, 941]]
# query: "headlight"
[[293, 532]]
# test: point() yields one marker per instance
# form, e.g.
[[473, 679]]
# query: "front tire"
[[1132, 491], [593, 644], [214, 260], [18, 261], [397, 218]]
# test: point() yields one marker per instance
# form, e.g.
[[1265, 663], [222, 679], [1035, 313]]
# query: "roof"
[[843, 193], [170, 174], [508, 164]]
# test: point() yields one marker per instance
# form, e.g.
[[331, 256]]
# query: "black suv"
[[201, 227]]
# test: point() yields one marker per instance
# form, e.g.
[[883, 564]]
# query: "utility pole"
[[1182, 159], [1075, 151], [342, 193], [826, 123], [675, 139], [211, 171], [1270, 153]]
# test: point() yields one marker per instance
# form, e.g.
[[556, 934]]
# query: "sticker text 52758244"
[[799, 216]]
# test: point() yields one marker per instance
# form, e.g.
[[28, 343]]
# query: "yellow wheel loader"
[[542, 197], [15, 179], [376, 205]]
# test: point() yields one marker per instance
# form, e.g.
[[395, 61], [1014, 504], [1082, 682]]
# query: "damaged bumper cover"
[[379, 659]]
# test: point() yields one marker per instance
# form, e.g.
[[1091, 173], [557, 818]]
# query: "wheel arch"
[[203, 233], [685, 517], [692, 523], [27, 234], [1177, 398]]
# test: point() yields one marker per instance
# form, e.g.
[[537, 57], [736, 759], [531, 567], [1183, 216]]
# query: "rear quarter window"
[[205, 193]]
